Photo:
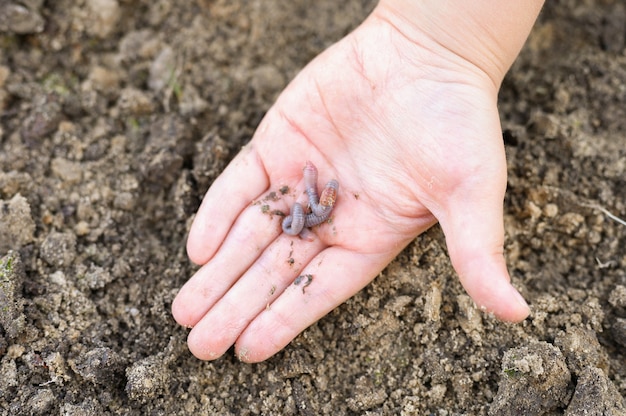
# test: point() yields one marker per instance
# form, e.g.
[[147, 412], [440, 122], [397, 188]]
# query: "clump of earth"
[[115, 118]]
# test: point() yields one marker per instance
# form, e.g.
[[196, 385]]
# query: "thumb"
[[474, 232]]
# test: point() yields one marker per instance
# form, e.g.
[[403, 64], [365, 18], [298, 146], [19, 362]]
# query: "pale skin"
[[402, 112]]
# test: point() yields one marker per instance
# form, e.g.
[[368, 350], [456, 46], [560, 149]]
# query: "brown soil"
[[116, 115]]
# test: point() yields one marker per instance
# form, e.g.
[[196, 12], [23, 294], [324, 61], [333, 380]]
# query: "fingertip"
[[487, 281], [521, 310], [195, 251], [212, 221], [258, 342], [505, 302], [202, 348], [249, 356], [180, 313], [200, 248], [195, 342]]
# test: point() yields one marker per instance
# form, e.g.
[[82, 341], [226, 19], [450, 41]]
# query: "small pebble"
[[147, 379], [15, 18], [59, 249], [102, 17], [17, 227]]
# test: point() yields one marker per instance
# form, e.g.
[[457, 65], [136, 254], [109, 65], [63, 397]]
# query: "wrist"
[[486, 33]]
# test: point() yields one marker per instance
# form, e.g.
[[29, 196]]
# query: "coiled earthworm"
[[294, 223], [321, 208]]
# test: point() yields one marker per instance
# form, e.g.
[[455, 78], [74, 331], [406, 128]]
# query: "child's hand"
[[411, 132]]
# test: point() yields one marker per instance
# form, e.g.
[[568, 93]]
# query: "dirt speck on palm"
[[116, 116]]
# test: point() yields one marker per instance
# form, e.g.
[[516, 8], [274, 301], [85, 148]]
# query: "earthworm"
[[309, 174], [321, 208], [294, 223]]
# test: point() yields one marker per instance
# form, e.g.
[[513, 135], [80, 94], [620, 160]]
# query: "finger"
[[243, 180], [252, 232], [330, 279], [475, 237], [266, 279]]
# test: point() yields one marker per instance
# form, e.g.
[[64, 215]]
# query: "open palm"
[[411, 133]]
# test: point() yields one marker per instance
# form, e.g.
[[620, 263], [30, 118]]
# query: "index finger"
[[244, 179]]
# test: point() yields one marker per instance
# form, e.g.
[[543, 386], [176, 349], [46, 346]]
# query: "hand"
[[411, 132]]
